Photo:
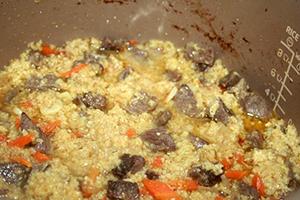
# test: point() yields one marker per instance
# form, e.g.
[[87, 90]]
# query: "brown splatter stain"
[[170, 7], [180, 28], [245, 40], [120, 2]]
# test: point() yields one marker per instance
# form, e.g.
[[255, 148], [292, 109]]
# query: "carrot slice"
[[143, 191], [47, 50], [236, 174], [239, 158], [157, 162], [187, 185], [26, 104], [130, 133], [3, 138], [21, 161], [87, 190], [21, 141], [93, 173], [18, 123], [40, 157], [75, 69], [50, 127], [160, 191], [227, 163], [219, 198], [258, 184]]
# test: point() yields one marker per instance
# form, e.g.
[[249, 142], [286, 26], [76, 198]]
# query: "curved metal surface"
[[258, 39]]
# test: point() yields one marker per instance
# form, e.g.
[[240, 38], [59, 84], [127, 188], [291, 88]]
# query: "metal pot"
[[259, 39]]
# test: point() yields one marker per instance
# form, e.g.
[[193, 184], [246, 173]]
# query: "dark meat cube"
[[122, 190]]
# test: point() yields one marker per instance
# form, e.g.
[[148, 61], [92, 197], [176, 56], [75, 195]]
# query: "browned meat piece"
[[163, 117], [35, 83], [202, 58], [122, 190], [4, 194], [128, 164], [152, 175], [173, 75], [185, 101], [43, 144], [138, 53], [11, 94], [158, 139], [35, 58], [91, 58], [248, 191], [293, 182], [254, 140], [229, 80], [255, 105], [223, 113], [197, 142], [109, 45], [125, 73], [14, 173], [91, 100], [204, 177], [141, 103]]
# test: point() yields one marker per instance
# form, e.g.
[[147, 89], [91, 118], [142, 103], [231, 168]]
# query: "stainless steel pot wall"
[[260, 39]]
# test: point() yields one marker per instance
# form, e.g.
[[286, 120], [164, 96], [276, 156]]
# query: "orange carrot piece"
[[21, 161], [40, 157], [160, 191], [47, 50], [3, 138], [21, 141], [86, 190], [133, 42], [78, 134], [130, 133], [75, 69], [18, 123], [104, 197], [157, 162], [258, 184], [219, 198], [227, 163], [93, 173], [239, 158], [26, 104], [187, 185], [236, 174], [50, 127]]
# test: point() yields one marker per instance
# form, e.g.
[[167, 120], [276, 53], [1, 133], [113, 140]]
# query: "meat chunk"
[[293, 182], [122, 190], [163, 118], [185, 101], [43, 144], [142, 102], [255, 105], [202, 58], [197, 142], [129, 163], [152, 175], [36, 83], [139, 53], [158, 139], [223, 113], [230, 80], [14, 173], [35, 58], [108, 45], [173, 75], [248, 191], [125, 73], [95, 101], [91, 58], [254, 140], [204, 177]]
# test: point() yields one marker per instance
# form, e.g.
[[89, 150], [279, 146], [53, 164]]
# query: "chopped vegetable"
[[219, 198], [50, 127], [78, 134], [130, 133], [3, 138], [21, 141], [157, 162], [18, 123], [187, 184], [87, 190], [93, 173], [236, 174], [21, 161], [258, 184], [227, 163], [239, 158], [40, 157], [47, 50], [160, 191], [75, 69], [26, 104], [133, 42], [143, 191]]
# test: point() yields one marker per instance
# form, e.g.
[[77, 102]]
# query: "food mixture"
[[123, 120]]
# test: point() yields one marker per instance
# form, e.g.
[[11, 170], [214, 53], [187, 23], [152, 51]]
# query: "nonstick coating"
[[246, 34]]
